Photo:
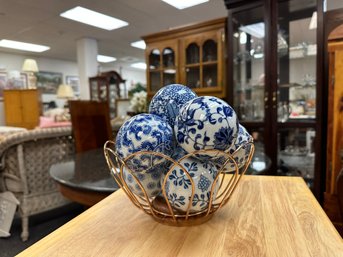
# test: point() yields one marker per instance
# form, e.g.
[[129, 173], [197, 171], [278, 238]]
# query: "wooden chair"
[[91, 124]]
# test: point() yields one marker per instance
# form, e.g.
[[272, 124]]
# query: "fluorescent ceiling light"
[[139, 65], [182, 4], [139, 44], [23, 46], [104, 58], [256, 29], [93, 18], [313, 22]]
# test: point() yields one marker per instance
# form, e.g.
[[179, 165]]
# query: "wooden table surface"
[[266, 216]]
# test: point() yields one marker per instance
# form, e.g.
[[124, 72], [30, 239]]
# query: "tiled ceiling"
[[38, 21]]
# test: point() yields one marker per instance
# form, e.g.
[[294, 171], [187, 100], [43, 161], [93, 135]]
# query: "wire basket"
[[160, 207]]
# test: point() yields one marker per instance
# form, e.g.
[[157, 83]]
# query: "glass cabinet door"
[[154, 73], [296, 153], [102, 90], [297, 45], [201, 62], [113, 95], [193, 65], [162, 68], [169, 67], [248, 64], [296, 88], [94, 90]]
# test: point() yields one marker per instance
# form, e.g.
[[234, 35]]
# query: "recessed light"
[[182, 4], [105, 59], [23, 46], [139, 65], [93, 18], [139, 44]]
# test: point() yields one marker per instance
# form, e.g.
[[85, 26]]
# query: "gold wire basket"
[[159, 207]]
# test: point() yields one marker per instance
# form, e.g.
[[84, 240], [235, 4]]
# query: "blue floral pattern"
[[239, 150], [150, 180], [179, 185], [206, 123], [168, 100], [144, 132]]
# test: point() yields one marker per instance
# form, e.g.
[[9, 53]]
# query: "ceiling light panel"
[[105, 59], [139, 65], [93, 18], [182, 4], [23, 46], [139, 44]]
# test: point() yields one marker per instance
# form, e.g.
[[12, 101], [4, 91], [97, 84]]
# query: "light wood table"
[[266, 216]]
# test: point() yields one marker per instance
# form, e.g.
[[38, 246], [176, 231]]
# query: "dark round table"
[[84, 178]]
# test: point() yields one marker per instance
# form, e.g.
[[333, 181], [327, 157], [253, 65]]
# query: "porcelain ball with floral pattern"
[[240, 151], [169, 99], [179, 186], [206, 122], [144, 132], [149, 179]]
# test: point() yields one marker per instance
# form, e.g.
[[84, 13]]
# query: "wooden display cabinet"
[[276, 82], [22, 107], [191, 55], [106, 88]]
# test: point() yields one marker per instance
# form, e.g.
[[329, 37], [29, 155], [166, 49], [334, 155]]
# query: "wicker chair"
[[26, 158]]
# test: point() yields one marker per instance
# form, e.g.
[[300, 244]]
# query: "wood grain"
[[267, 216]]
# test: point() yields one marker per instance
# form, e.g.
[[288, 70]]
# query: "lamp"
[[30, 66], [65, 91]]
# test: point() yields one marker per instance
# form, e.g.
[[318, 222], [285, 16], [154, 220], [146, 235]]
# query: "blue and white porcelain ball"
[[179, 186], [150, 180], [206, 122], [240, 151], [144, 132], [169, 99], [243, 137]]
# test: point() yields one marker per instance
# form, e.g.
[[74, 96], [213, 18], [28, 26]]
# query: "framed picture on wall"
[[74, 82], [49, 81], [3, 83]]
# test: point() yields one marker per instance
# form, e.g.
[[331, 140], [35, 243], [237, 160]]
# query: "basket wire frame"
[[159, 207]]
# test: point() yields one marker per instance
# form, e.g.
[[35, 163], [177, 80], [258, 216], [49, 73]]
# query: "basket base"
[[160, 205]]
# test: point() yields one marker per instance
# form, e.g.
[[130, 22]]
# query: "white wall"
[[9, 62]]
